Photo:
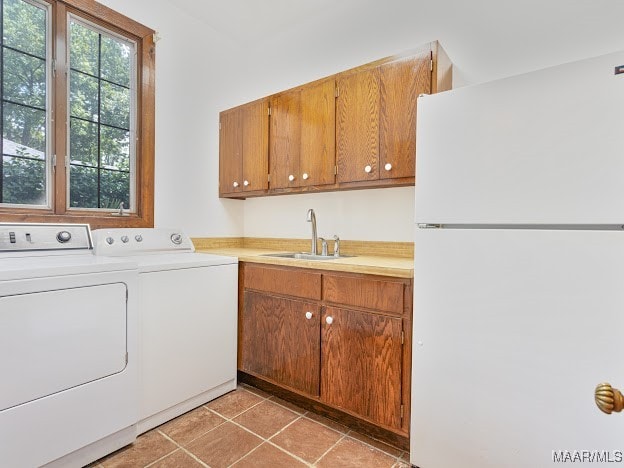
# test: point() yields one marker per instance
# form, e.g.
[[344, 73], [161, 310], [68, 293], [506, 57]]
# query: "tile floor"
[[250, 428]]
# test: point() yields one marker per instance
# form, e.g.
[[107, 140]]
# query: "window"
[[77, 114]]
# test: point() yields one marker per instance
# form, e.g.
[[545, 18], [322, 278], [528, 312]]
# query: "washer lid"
[[14, 268], [176, 261]]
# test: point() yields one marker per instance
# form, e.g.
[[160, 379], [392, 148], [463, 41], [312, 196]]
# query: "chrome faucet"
[[311, 218]]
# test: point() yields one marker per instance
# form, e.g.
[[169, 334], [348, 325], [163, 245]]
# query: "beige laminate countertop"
[[372, 265]]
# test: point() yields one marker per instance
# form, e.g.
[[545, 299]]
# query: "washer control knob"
[[176, 238], [110, 240], [125, 239], [63, 236], [138, 238]]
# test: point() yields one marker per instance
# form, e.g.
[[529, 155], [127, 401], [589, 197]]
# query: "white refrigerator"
[[519, 270]]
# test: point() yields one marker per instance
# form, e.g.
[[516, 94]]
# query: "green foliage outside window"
[[100, 112]]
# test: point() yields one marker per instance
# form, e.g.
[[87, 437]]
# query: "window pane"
[[83, 142], [101, 108], [24, 79], [115, 148], [24, 27], [115, 109], [25, 129], [83, 187], [115, 61], [83, 96], [23, 181], [115, 189], [84, 49]]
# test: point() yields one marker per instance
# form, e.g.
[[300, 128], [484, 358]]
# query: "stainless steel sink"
[[304, 256]]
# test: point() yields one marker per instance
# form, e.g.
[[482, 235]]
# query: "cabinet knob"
[[329, 320], [235, 184], [367, 169], [308, 315], [246, 183], [291, 177], [388, 166], [305, 176]]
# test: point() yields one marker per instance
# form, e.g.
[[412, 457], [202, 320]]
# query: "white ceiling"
[[486, 39]]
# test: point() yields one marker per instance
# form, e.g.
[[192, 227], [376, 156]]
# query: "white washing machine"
[[68, 352], [187, 320]]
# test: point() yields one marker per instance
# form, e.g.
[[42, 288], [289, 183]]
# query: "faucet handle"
[[336, 246], [323, 246]]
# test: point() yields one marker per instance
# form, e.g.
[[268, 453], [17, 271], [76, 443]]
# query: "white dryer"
[[188, 309], [68, 353]]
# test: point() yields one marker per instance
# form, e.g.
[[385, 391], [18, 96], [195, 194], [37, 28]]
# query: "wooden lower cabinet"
[[347, 353], [281, 342], [361, 364]]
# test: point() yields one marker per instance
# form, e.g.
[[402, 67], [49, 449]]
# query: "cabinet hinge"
[[54, 160], [53, 67], [402, 412], [431, 65], [402, 337], [337, 91], [335, 170], [269, 178]]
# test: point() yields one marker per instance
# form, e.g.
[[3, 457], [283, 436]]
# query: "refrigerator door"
[[513, 329], [543, 147]]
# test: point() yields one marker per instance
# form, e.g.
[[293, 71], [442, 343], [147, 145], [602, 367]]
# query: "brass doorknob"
[[608, 399]]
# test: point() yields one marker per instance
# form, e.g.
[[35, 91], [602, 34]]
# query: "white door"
[[513, 329], [544, 147]]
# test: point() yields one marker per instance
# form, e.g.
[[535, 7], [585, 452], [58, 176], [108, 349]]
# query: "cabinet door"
[[230, 152], [361, 364], [400, 84], [357, 129], [318, 134], [255, 145], [281, 341], [285, 137]]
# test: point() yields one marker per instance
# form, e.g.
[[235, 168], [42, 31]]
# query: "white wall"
[[380, 214], [191, 74], [200, 72]]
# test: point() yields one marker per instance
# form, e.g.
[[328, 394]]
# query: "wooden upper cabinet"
[[230, 152], [357, 126], [400, 84], [352, 130], [302, 135], [285, 136], [243, 148], [317, 161], [376, 114], [255, 145]]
